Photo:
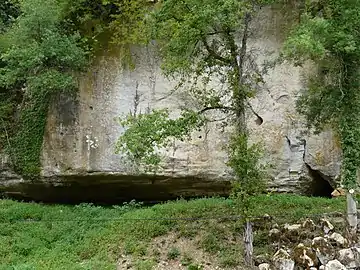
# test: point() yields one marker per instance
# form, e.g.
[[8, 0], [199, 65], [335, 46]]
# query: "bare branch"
[[213, 53], [253, 111], [224, 108], [243, 46]]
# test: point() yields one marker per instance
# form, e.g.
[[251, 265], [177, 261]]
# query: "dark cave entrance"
[[319, 186]]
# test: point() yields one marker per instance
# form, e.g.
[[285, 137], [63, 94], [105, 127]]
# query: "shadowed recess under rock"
[[319, 186], [113, 189]]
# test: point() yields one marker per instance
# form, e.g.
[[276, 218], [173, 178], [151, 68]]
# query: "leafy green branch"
[[145, 134]]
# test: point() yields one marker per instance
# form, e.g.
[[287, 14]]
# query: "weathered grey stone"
[[334, 265], [323, 154], [274, 234], [110, 188], [349, 257], [293, 227], [10, 182], [309, 224], [292, 232], [324, 250], [304, 256], [261, 258], [264, 266], [283, 261], [338, 239], [326, 225]]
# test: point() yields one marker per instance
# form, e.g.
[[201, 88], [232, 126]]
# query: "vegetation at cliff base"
[[54, 237]]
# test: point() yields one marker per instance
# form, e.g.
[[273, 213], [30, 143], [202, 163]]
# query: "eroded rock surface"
[[79, 144]]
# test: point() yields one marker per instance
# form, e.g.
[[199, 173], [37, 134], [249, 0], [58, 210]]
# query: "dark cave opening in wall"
[[319, 186]]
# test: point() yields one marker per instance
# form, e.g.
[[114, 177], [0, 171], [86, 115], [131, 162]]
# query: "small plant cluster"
[[147, 133]]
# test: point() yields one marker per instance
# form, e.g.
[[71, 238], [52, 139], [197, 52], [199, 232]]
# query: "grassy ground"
[[35, 236]]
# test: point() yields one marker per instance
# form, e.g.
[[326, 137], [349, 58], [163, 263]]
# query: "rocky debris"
[[324, 250], [260, 259], [326, 225], [349, 257], [309, 224], [334, 265], [262, 222], [264, 266], [338, 192], [292, 232], [294, 227], [274, 234], [304, 256], [338, 239], [283, 261], [320, 248]]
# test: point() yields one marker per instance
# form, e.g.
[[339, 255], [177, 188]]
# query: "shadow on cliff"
[[112, 189]]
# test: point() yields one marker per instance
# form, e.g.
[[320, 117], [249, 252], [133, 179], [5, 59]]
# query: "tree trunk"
[[248, 243], [240, 100]]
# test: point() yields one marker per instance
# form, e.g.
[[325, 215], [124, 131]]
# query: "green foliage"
[[307, 40], [25, 145], [195, 267], [229, 256], [9, 11], [85, 236], [39, 58], [47, 237], [145, 265], [173, 253], [244, 160], [328, 36], [250, 174], [186, 28], [186, 260], [93, 20], [43, 46], [129, 25], [147, 132], [198, 41]]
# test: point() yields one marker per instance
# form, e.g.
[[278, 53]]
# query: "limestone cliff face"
[[80, 137]]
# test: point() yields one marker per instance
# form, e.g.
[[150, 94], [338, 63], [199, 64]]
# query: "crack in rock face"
[[313, 182]]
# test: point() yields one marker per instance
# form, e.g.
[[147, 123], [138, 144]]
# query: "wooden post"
[[351, 213], [248, 242]]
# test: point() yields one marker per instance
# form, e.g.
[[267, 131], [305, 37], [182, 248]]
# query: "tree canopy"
[[328, 35]]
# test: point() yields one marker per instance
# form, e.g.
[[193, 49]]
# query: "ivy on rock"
[[44, 45], [39, 60]]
